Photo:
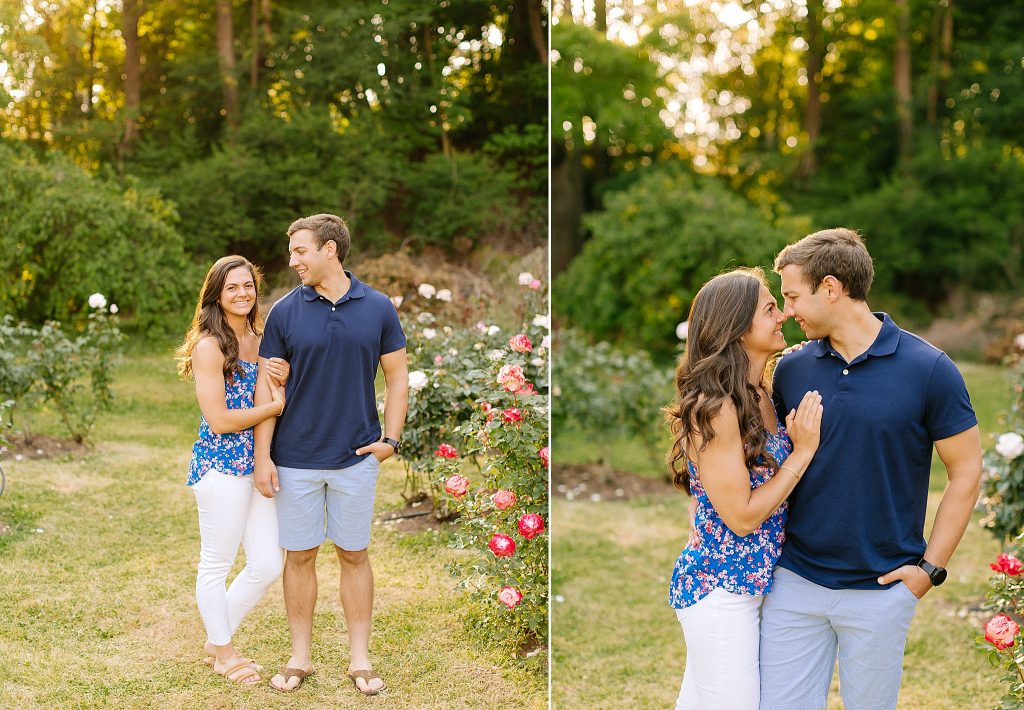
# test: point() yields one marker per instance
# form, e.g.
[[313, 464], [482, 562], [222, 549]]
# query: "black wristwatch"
[[936, 574], [394, 443]]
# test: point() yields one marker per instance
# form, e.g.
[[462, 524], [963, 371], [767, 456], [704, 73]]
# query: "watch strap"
[[395, 443]]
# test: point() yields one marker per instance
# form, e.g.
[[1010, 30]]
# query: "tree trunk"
[[901, 79], [226, 55], [566, 207], [91, 76], [428, 51], [812, 112], [537, 33], [254, 41], [601, 16], [132, 74]]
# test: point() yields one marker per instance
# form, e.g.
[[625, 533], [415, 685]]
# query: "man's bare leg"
[[299, 602], [357, 602]]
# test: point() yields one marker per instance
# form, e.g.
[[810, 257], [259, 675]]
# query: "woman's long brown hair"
[[209, 318], [714, 368]]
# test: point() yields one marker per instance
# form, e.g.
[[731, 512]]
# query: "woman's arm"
[[723, 470], [208, 370]]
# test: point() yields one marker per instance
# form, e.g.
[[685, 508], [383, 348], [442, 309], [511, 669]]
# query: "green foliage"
[[610, 392], [65, 234], [651, 250], [1003, 479], [48, 366], [1006, 596]]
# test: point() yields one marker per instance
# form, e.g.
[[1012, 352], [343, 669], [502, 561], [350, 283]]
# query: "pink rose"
[[520, 343], [446, 451], [511, 378], [438, 359], [1001, 631], [502, 545], [531, 525], [512, 415], [527, 390], [488, 409], [510, 596], [503, 499], [535, 284], [1007, 564], [545, 456], [456, 485]]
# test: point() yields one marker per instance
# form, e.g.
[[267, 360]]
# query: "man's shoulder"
[[915, 346], [804, 356]]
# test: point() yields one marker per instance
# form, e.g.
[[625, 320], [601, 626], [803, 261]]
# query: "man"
[[855, 561], [322, 457]]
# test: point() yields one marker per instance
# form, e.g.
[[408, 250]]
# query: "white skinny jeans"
[[232, 511], [722, 639]]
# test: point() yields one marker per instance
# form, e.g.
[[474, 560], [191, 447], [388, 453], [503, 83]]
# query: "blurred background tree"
[[900, 119], [423, 124]]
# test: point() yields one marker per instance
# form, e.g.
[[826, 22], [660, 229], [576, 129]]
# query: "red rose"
[[511, 378], [1007, 564], [1001, 631], [503, 500], [456, 485], [520, 343], [502, 545], [488, 409], [545, 456], [512, 415], [446, 451], [531, 525], [510, 596]]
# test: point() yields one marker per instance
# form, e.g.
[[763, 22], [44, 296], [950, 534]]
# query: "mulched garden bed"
[[597, 483], [40, 447]]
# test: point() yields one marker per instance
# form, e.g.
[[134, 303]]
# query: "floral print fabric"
[[231, 453], [741, 565]]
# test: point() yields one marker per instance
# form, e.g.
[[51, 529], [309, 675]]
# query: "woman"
[[220, 352], [739, 464]]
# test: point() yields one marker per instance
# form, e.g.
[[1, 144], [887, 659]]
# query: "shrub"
[[63, 233], [1003, 477], [1001, 638], [651, 249]]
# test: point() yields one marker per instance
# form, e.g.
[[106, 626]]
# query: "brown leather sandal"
[[240, 673], [288, 674], [367, 676]]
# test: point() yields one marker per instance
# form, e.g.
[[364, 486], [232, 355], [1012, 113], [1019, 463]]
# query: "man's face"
[[309, 262], [810, 310]]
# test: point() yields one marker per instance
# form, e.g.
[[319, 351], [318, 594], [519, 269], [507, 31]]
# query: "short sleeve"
[[273, 344], [777, 399], [949, 409], [392, 337]]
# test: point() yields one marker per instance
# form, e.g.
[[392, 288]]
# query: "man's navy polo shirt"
[[859, 510], [334, 350]]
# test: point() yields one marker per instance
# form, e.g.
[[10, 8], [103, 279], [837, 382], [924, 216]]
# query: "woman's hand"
[[793, 348], [277, 393], [278, 370], [804, 423]]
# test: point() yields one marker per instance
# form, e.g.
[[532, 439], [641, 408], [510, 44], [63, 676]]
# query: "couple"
[[840, 442], [290, 443]]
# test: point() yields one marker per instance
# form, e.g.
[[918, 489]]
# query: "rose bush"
[[1003, 474], [999, 640], [48, 366]]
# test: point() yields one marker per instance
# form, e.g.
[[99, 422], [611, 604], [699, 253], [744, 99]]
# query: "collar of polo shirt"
[[355, 290], [885, 344]]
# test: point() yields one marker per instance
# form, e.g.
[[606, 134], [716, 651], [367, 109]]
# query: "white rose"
[[97, 300], [427, 291], [493, 330], [425, 318], [444, 295], [417, 380], [1019, 340], [429, 333], [397, 300], [545, 342], [683, 330], [113, 308], [478, 346], [542, 321], [495, 355], [525, 278], [1010, 445], [537, 361]]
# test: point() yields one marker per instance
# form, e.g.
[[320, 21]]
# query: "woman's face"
[[765, 334], [238, 295]]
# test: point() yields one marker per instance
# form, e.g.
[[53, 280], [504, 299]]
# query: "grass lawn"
[[616, 642], [97, 580]]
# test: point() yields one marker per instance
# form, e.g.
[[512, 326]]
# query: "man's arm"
[[395, 366], [265, 474], [961, 454]]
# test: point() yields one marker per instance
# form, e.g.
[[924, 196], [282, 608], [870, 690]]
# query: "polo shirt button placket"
[[846, 372]]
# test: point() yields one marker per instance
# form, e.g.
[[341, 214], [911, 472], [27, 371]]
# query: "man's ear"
[[833, 287]]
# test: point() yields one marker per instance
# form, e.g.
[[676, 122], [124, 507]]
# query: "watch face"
[[938, 576]]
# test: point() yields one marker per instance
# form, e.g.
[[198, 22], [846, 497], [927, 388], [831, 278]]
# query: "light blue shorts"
[[804, 625], [316, 504]]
